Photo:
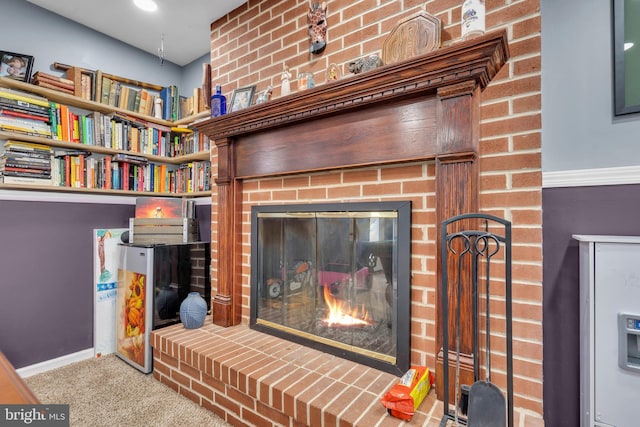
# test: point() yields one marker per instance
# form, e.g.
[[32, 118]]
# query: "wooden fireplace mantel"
[[477, 60], [424, 108]]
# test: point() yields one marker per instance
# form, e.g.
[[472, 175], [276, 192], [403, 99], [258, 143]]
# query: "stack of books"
[[25, 163], [25, 113], [53, 82]]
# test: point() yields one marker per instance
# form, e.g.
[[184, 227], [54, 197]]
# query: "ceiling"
[[181, 27]]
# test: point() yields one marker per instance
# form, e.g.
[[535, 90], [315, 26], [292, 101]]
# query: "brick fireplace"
[[406, 131]]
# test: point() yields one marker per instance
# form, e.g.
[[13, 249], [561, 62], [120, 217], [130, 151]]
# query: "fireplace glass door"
[[329, 277]]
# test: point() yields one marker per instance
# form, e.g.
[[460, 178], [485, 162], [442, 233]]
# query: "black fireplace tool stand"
[[469, 253]]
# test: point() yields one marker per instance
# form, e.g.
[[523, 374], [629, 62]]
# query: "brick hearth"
[[251, 378]]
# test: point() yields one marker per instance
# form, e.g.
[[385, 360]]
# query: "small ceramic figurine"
[[365, 64], [286, 77], [332, 73], [264, 96]]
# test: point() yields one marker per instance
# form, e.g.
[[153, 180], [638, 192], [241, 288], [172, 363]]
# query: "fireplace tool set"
[[467, 256]]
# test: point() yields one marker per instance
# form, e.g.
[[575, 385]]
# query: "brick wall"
[[250, 45]]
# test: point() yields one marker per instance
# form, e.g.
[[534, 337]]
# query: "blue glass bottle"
[[218, 103]]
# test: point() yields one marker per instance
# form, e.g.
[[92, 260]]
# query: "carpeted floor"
[[109, 392]]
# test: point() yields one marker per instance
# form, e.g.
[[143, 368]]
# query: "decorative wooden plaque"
[[412, 36]]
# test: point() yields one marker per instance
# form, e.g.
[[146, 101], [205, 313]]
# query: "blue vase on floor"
[[193, 310]]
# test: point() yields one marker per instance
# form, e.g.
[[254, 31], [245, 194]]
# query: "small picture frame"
[[16, 66], [241, 98]]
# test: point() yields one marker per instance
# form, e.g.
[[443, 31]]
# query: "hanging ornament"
[[318, 27]]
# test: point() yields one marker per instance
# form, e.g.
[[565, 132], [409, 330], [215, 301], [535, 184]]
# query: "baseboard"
[[58, 362], [592, 177]]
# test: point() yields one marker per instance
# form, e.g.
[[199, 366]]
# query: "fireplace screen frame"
[[401, 259]]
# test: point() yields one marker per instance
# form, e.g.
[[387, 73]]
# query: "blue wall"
[[31, 30]]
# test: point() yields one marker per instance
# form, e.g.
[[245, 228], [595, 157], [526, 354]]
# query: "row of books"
[[110, 173], [116, 131], [24, 113], [126, 94], [24, 162], [195, 104], [34, 115], [119, 95], [188, 141]]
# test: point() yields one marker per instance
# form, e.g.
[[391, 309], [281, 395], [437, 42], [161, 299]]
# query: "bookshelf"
[[79, 103]]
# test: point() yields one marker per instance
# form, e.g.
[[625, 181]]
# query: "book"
[[21, 121], [39, 128], [85, 86], [97, 96], [46, 76], [175, 103], [70, 152], [166, 106], [52, 86], [136, 101], [129, 158], [123, 97], [29, 170], [23, 96], [31, 147], [117, 94], [144, 97], [22, 105], [113, 91], [25, 162], [106, 90], [24, 157], [13, 179], [13, 113], [24, 131], [19, 171]]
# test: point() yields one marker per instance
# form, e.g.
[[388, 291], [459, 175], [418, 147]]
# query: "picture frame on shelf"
[[241, 98], [16, 66]]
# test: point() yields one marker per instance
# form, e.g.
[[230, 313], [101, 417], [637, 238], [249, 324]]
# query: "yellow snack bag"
[[403, 399]]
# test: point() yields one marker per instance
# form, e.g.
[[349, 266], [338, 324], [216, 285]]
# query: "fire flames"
[[341, 313]]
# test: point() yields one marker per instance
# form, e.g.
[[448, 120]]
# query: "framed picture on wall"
[[626, 56], [15, 65], [241, 98]]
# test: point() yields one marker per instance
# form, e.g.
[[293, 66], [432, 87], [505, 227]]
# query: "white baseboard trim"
[[58, 362], [592, 177], [42, 196]]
